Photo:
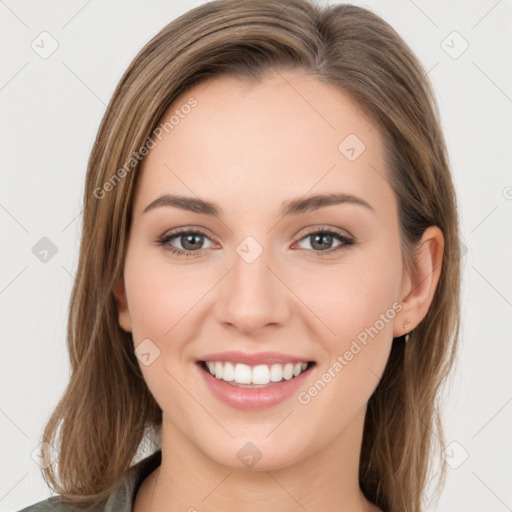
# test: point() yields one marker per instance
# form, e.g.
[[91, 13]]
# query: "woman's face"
[[268, 278]]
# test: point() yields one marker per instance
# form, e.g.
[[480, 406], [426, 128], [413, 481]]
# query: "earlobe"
[[122, 306], [422, 281]]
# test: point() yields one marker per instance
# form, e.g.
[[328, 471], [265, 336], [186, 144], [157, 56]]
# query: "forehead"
[[282, 137]]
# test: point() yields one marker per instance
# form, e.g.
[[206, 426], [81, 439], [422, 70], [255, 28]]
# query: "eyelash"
[[165, 239]]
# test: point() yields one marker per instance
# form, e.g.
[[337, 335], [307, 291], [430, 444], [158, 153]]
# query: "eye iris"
[[187, 241], [325, 241]]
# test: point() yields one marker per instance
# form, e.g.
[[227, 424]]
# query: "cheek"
[[351, 296], [362, 307], [359, 304], [161, 296], [161, 301]]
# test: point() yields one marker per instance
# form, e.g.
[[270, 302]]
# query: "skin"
[[248, 149]]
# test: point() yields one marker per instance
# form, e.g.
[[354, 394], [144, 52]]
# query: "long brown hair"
[[107, 410]]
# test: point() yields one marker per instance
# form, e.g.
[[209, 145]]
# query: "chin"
[[256, 452]]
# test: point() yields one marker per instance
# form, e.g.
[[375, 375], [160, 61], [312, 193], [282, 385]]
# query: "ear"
[[122, 306], [419, 285]]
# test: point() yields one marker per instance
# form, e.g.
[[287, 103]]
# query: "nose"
[[252, 296]]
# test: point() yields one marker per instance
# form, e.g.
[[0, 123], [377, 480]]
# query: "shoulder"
[[52, 504], [121, 498]]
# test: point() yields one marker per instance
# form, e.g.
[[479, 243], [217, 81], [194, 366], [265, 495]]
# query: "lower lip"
[[253, 398]]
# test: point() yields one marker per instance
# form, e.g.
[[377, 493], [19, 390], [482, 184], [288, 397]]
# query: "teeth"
[[242, 374], [276, 373], [228, 372], [260, 374], [288, 371]]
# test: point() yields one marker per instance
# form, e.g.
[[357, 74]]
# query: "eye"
[[324, 240], [190, 242]]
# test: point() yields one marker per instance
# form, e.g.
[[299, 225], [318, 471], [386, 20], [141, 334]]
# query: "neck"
[[189, 480]]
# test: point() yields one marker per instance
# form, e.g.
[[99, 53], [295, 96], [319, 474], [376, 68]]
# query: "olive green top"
[[122, 497]]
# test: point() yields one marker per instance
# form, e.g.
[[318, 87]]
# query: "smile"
[[257, 386], [239, 374]]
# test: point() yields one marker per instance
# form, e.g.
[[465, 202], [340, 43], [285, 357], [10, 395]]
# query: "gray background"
[[51, 109]]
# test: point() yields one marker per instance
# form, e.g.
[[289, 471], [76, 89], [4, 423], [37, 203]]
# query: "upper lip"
[[253, 359]]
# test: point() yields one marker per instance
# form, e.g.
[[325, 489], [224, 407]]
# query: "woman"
[[268, 280]]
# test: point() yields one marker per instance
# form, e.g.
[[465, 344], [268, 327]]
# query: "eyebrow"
[[291, 207]]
